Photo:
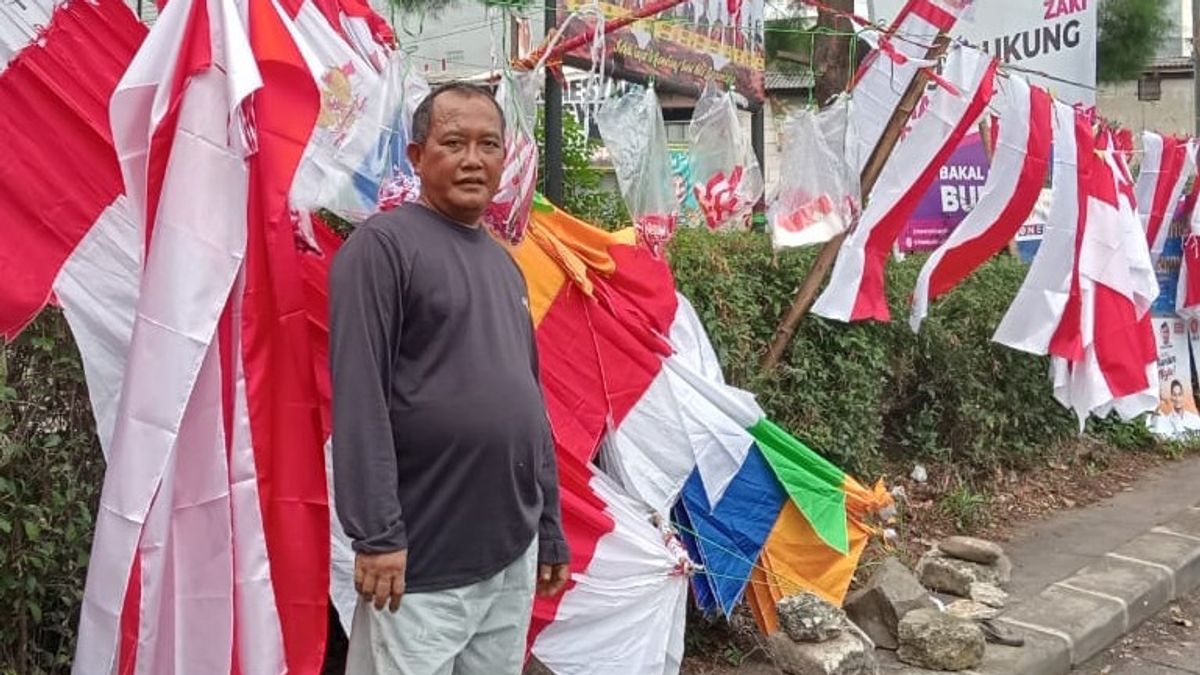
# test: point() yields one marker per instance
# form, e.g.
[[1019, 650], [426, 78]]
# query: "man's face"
[[1177, 397], [1166, 333], [461, 161]]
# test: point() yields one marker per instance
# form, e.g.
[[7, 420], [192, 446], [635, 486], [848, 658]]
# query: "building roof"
[[780, 81], [1170, 64]]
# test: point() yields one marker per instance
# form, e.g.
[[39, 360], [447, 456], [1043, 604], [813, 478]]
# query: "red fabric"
[[1174, 157], [127, 647], [871, 301], [282, 392], [959, 262], [1191, 253], [1067, 340], [58, 88], [624, 324]]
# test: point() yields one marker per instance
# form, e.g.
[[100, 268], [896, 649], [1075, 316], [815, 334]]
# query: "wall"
[[457, 42], [1172, 114]]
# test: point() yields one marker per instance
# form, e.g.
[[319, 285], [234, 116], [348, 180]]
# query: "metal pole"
[[758, 140], [1196, 63], [553, 122]]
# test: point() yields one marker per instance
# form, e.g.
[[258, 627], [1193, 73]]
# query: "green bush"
[[51, 470], [863, 393]]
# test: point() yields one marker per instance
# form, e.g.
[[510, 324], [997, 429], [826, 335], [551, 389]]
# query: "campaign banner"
[[1055, 38], [1176, 414], [681, 48], [1167, 267], [1029, 237], [953, 194]]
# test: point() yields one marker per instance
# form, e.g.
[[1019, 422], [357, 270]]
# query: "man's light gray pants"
[[474, 630]]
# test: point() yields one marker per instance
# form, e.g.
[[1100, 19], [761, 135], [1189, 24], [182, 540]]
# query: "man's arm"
[[554, 557], [364, 326]]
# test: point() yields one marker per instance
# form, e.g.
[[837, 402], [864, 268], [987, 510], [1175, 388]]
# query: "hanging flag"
[[856, 287], [1187, 292], [1167, 164], [1019, 169], [161, 562], [886, 72], [1087, 294]]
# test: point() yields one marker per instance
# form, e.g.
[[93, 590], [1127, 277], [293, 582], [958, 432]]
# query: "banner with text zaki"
[[1054, 37]]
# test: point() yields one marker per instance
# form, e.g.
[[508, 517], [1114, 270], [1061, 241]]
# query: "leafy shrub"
[[51, 470]]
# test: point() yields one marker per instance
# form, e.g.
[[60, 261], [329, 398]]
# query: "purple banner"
[[953, 194]]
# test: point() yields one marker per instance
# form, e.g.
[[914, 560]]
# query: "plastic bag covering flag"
[[1014, 184], [856, 286], [1087, 294], [727, 181], [636, 138], [366, 164], [818, 194], [508, 214]]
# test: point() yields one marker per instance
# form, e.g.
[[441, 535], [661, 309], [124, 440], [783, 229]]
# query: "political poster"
[[953, 194], [1176, 414], [681, 48], [1167, 267], [1029, 237], [1054, 41]]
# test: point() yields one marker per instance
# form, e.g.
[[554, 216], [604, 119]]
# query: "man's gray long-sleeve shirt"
[[441, 443]]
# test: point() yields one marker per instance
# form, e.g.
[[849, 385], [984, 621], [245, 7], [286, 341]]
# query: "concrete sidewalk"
[[1084, 578]]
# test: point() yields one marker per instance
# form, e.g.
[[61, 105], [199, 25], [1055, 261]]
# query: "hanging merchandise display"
[[633, 131], [818, 195], [368, 168], [728, 181], [508, 214]]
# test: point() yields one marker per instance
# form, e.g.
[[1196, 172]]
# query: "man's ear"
[[414, 151]]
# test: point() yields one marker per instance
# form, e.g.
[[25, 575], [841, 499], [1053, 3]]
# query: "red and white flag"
[[1167, 164], [1187, 293], [1019, 170], [886, 72], [856, 288], [1087, 294]]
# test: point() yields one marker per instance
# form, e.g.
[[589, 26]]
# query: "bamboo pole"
[[807, 292]]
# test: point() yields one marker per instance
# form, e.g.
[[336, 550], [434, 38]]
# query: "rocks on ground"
[[816, 638], [971, 549], [988, 594], [891, 592], [939, 641], [953, 566], [971, 610]]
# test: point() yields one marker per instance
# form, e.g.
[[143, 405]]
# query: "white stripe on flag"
[[1034, 314]]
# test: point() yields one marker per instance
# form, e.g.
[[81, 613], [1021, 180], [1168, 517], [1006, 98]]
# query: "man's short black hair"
[[1176, 383], [423, 117]]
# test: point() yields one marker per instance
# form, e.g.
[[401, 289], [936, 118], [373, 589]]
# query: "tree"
[[1129, 33], [833, 39]]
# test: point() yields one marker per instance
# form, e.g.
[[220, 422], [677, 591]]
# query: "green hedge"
[[863, 393]]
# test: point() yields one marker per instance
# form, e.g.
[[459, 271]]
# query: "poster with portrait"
[[1176, 414]]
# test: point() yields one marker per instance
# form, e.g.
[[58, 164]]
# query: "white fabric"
[[967, 69], [625, 614], [1033, 316], [882, 84], [98, 289], [1011, 149], [166, 413], [688, 418], [1189, 239]]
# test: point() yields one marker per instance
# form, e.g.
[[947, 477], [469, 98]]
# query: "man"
[[444, 465]]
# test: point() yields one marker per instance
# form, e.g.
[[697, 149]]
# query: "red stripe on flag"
[[1124, 344], [60, 171], [961, 261], [127, 648], [935, 15], [1174, 157], [282, 394], [871, 300]]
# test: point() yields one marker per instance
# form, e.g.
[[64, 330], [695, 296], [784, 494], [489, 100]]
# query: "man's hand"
[[380, 576], [551, 579]]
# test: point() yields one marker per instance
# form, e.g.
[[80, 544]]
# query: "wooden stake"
[[807, 292]]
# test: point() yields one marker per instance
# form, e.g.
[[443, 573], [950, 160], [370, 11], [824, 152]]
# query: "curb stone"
[[1075, 618]]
